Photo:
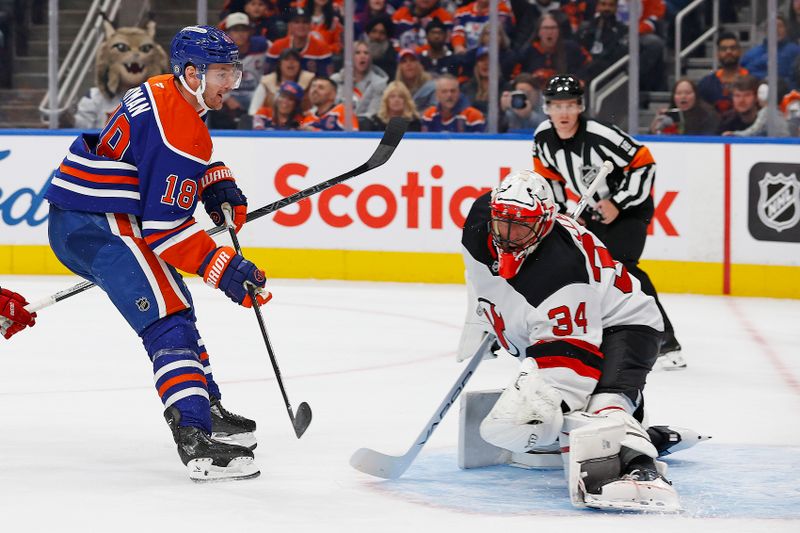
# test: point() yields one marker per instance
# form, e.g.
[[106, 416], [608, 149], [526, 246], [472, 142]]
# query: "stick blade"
[[391, 138], [378, 464], [302, 419]]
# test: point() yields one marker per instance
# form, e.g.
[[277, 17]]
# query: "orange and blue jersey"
[[147, 162], [470, 20], [315, 56], [409, 29], [464, 119], [713, 90], [331, 120]]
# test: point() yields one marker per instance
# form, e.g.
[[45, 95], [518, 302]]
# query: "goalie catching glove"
[[225, 270], [13, 316], [218, 187]]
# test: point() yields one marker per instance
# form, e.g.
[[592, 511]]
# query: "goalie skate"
[[640, 491], [230, 428], [671, 439]]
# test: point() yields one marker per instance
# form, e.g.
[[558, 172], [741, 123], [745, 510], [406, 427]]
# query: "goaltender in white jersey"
[[554, 297]]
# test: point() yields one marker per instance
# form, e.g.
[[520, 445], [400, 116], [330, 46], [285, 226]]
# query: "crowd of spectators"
[[428, 61], [733, 99]]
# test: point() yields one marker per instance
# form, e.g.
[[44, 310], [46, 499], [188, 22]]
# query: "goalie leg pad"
[[597, 457], [527, 415]]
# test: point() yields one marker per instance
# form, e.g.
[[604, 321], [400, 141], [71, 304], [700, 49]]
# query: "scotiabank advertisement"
[[418, 200]]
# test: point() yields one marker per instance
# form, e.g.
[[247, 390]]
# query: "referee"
[[568, 150]]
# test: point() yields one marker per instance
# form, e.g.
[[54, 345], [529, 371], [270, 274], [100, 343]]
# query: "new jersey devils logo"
[[488, 310]]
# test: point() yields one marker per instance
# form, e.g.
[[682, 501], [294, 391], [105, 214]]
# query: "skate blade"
[[203, 471], [671, 362], [639, 496], [642, 506], [248, 440]]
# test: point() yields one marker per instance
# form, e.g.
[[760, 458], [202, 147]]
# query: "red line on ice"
[[784, 371]]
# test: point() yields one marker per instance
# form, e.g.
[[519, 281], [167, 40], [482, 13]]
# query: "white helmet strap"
[[199, 92]]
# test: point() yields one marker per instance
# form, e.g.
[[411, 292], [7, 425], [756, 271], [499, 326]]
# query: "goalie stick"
[[302, 418], [385, 466], [390, 466], [391, 138], [605, 169]]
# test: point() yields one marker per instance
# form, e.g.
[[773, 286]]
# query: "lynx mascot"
[[127, 57]]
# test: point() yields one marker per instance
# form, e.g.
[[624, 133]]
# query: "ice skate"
[[231, 428], [669, 355], [668, 439], [642, 489], [206, 459]]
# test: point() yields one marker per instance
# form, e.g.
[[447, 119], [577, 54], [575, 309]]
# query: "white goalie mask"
[[522, 214]]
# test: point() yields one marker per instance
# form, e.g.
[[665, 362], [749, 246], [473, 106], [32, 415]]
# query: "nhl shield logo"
[[779, 201], [143, 304]]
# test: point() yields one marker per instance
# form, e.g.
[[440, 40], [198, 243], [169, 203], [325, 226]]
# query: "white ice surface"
[[84, 446]]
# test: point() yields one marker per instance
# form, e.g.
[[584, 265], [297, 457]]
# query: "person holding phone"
[[689, 115], [521, 105]]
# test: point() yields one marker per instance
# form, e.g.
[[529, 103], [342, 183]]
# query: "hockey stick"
[[390, 466], [605, 169], [302, 418], [391, 138]]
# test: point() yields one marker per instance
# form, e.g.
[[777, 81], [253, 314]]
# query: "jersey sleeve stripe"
[[98, 177], [546, 172], [100, 163], [90, 191], [642, 158]]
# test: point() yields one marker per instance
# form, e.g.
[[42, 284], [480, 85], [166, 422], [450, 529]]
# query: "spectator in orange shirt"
[[452, 113], [326, 115], [471, 18], [326, 23], [410, 22], [315, 54]]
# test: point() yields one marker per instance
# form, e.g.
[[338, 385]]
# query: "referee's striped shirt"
[[573, 163]]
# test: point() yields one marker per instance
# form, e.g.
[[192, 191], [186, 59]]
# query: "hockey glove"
[[229, 272], [217, 187], [13, 316]]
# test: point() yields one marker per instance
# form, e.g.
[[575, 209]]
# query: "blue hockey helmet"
[[201, 47]]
